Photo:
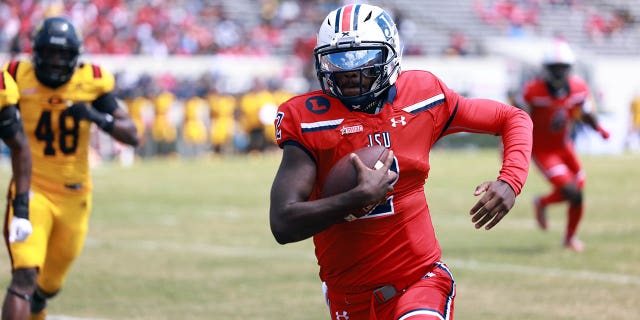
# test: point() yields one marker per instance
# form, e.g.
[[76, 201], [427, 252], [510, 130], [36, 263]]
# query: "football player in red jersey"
[[385, 264], [555, 100], [59, 101]]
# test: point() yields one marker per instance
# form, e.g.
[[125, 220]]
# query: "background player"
[[386, 264], [60, 99], [632, 140], [555, 101], [12, 134]]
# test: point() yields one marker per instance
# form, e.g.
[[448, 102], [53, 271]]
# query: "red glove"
[[604, 133]]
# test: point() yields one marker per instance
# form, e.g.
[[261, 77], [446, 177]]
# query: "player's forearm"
[[517, 139], [298, 221], [21, 165], [125, 131]]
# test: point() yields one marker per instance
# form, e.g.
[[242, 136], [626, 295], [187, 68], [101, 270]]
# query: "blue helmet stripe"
[[338, 15], [355, 17]]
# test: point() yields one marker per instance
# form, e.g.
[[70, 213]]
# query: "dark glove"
[[21, 206], [83, 111]]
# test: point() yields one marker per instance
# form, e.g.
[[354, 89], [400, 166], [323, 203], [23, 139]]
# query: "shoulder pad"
[[100, 78], [9, 93]]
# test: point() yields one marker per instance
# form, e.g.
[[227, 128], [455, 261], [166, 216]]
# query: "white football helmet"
[[558, 52], [358, 38], [557, 60]]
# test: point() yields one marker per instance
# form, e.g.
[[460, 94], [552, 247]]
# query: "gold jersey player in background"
[[59, 100], [12, 134]]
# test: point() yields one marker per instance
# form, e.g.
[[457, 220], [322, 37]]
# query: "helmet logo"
[[385, 23], [58, 40]]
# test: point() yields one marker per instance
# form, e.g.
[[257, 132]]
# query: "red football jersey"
[[553, 117], [397, 239]]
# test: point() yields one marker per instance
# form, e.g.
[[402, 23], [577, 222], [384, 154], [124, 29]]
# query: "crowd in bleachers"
[[521, 17], [161, 27], [185, 116], [176, 115], [187, 27]]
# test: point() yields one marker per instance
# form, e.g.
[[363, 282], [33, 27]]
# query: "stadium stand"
[[198, 30], [273, 27]]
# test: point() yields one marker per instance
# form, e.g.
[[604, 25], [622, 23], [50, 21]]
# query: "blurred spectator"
[[269, 111], [632, 141], [139, 106], [222, 109], [513, 16], [163, 130], [407, 30], [251, 103], [596, 25], [458, 45], [194, 129]]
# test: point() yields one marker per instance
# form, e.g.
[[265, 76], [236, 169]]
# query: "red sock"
[[573, 220], [554, 197]]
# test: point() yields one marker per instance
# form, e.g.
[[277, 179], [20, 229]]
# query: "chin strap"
[[373, 107]]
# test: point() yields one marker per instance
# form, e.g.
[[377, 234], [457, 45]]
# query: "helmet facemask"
[[557, 74], [357, 57], [354, 75], [56, 47], [54, 66]]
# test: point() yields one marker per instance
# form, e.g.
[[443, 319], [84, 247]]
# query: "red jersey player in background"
[[555, 100], [385, 264]]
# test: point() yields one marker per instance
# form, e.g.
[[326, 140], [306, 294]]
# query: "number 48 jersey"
[[59, 142]]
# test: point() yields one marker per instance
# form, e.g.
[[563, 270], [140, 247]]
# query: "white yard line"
[[63, 317], [296, 253], [591, 275]]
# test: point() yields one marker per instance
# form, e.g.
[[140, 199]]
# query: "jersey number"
[[386, 207], [68, 139]]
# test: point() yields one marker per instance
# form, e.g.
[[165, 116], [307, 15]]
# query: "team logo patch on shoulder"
[[317, 104]]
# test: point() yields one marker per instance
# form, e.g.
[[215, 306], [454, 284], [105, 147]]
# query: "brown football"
[[343, 175]]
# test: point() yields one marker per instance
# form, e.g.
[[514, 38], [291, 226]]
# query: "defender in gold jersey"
[[12, 134], [59, 100]]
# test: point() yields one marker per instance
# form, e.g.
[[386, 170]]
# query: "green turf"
[[173, 239]]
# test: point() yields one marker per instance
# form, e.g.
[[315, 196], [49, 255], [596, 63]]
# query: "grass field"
[[178, 239]]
